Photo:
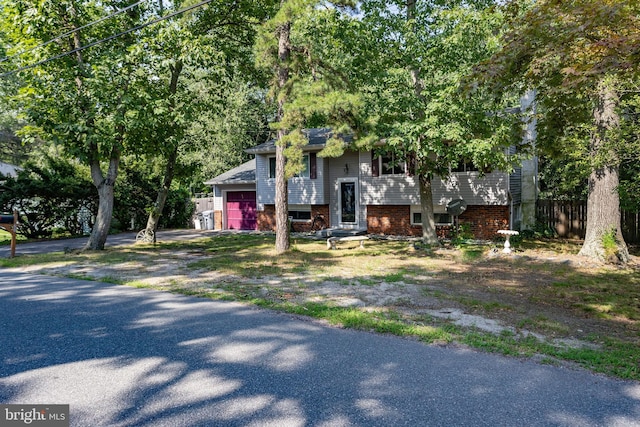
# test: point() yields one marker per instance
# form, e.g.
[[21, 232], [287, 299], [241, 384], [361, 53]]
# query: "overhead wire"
[[106, 39], [68, 33]]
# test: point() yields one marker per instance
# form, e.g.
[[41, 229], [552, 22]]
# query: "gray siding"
[[490, 189], [515, 185], [302, 191]]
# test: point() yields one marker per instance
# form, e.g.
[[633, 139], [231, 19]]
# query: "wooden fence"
[[569, 219], [203, 203]]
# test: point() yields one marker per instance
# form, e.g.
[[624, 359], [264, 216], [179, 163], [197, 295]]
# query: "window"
[[304, 174], [416, 218], [305, 171], [463, 166], [440, 216], [272, 167], [300, 212], [390, 165]]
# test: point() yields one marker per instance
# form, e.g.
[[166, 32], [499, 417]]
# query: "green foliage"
[[565, 50], [610, 244], [215, 140], [564, 177], [417, 101], [629, 152], [55, 195], [136, 193], [317, 91]]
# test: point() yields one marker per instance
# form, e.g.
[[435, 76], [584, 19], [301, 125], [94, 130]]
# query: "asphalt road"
[[138, 357], [127, 238]]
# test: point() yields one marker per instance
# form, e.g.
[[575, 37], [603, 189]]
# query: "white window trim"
[[306, 171]]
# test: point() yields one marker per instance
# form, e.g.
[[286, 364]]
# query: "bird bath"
[[507, 234]]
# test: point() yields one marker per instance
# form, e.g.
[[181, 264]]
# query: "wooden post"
[[9, 224]]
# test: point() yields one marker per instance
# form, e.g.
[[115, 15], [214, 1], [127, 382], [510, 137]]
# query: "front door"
[[348, 204]]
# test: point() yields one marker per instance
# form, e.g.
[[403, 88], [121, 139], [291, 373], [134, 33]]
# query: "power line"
[[68, 33], [81, 48]]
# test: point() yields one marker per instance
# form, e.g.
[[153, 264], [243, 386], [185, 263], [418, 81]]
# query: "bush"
[[56, 196], [136, 193]]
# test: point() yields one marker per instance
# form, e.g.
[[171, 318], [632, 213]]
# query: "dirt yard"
[[557, 296]]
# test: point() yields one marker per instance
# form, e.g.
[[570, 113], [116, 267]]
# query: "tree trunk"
[[429, 235], [105, 186], [283, 242], [163, 192], [603, 202]]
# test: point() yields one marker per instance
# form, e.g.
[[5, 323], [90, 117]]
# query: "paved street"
[[123, 357], [127, 238]]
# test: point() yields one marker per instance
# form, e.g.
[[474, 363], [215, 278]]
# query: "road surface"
[[127, 238], [122, 356]]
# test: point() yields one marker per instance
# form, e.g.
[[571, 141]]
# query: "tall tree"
[[302, 88], [580, 57], [418, 105], [76, 97], [210, 48]]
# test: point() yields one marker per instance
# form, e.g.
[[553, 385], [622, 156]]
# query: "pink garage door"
[[241, 210]]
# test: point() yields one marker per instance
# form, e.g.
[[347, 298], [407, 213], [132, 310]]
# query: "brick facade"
[[267, 218], [485, 221], [395, 220]]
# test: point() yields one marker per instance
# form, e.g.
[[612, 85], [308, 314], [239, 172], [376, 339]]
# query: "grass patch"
[[543, 323], [5, 237]]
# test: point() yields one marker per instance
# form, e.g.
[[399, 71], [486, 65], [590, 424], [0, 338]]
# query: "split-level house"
[[364, 192]]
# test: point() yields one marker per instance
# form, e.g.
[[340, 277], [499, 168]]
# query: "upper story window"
[[305, 171], [463, 166], [304, 174], [272, 167], [391, 165]]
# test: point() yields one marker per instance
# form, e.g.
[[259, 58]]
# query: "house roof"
[[243, 174], [317, 141], [9, 170]]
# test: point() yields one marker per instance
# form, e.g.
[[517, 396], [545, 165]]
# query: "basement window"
[[300, 212], [440, 215]]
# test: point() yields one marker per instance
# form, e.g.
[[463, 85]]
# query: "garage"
[[241, 210]]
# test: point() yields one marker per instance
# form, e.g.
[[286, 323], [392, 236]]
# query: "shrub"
[[57, 196]]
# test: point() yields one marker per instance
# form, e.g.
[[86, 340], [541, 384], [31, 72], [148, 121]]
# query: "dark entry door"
[[348, 202]]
